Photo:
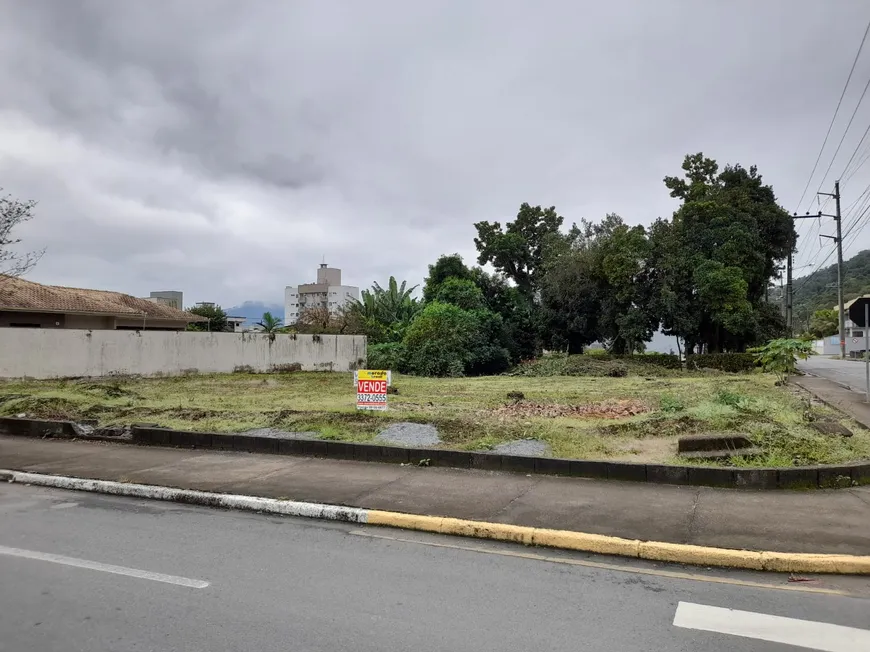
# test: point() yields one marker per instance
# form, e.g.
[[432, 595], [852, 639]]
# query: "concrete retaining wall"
[[59, 353], [797, 477]]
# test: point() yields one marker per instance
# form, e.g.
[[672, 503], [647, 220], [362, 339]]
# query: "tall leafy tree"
[[461, 292], [622, 278], [447, 266], [518, 312], [598, 288], [712, 261], [570, 301], [450, 281], [518, 250]]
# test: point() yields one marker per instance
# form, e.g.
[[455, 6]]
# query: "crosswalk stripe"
[[776, 629]]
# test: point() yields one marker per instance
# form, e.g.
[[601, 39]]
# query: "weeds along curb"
[[530, 536], [805, 477]]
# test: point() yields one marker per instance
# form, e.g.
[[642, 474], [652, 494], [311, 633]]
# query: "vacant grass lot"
[[635, 418]]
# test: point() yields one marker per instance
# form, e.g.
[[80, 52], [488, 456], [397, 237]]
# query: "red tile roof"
[[18, 294]]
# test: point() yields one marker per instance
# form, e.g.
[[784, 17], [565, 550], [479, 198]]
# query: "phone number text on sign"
[[371, 394]]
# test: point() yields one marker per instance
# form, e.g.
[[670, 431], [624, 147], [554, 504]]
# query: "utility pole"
[[838, 239], [788, 292], [789, 286]]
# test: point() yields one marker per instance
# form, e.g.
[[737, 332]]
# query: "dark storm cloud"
[[224, 148]]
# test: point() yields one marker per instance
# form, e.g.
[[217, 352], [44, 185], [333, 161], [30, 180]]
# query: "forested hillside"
[[818, 291]]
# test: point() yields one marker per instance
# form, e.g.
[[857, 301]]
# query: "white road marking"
[[105, 568], [776, 629]]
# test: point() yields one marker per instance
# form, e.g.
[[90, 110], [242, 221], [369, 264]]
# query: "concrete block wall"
[[61, 353]]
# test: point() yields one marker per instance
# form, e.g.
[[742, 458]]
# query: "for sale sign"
[[371, 389]]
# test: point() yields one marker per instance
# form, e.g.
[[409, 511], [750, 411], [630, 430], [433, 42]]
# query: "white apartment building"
[[326, 292]]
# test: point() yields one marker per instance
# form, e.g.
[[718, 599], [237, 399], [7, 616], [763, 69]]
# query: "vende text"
[[371, 387]]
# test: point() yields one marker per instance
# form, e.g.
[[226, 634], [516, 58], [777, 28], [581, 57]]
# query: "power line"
[[858, 213], [866, 215], [836, 112], [861, 212], [864, 212], [861, 142], [864, 158], [848, 126]]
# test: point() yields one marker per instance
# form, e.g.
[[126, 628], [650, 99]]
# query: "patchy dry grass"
[[635, 418]]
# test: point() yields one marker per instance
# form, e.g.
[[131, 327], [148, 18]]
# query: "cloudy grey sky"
[[223, 148]]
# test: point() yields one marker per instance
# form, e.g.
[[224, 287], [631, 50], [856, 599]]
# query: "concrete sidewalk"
[[837, 395], [832, 522]]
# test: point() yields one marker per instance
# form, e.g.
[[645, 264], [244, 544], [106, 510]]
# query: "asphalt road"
[[97, 573], [846, 372]]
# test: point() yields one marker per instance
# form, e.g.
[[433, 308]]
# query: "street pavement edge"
[[530, 536]]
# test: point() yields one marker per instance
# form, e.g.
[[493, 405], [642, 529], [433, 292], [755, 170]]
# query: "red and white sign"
[[371, 390]]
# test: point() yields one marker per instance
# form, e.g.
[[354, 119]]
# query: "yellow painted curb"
[[607, 545]]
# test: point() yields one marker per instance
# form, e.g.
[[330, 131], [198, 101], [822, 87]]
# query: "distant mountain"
[[819, 290], [253, 311]]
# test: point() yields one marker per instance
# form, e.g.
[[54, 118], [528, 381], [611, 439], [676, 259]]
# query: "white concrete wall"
[[831, 345], [59, 353]]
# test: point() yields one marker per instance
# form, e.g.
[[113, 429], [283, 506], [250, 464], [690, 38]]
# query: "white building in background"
[[236, 324], [326, 292]]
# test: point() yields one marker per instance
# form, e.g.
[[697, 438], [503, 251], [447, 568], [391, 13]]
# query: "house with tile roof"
[[26, 304]]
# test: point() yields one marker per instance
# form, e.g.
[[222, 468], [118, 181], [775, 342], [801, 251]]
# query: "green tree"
[[598, 288], [519, 249], [620, 254], [825, 323], [447, 266], [570, 296], [519, 314], [217, 318], [461, 292], [711, 263], [269, 323], [446, 340], [385, 313], [448, 282]]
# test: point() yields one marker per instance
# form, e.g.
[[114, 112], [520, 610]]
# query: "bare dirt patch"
[[606, 410]]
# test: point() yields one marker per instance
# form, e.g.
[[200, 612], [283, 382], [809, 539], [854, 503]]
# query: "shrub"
[[670, 403], [730, 362], [666, 360], [446, 340], [729, 398], [389, 355], [598, 365], [780, 356]]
